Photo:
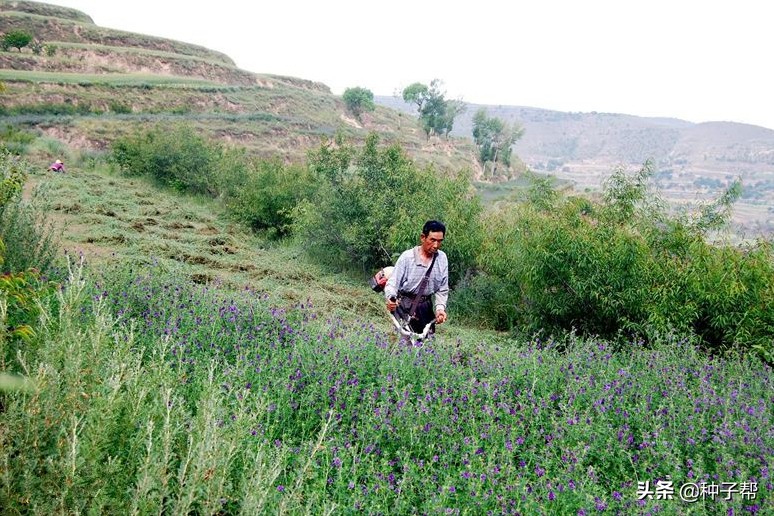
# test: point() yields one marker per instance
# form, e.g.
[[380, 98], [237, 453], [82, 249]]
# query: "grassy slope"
[[270, 115], [110, 217], [46, 10], [97, 59], [112, 79], [48, 28]]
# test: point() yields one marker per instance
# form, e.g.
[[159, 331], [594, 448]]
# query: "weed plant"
[[15, 139], [154, 395], [31, 240]]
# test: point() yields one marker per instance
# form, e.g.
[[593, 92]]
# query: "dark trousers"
[[422, 316]]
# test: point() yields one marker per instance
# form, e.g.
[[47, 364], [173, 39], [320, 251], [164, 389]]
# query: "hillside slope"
[[693, 161], [88, 84]]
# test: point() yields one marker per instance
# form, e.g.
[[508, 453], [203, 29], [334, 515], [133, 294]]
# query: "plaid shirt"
[[408, 274]]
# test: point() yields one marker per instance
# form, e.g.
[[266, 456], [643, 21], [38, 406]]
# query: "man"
[[403, 285]]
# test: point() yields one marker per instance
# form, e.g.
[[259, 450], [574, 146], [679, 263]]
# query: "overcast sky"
[[695, 60]]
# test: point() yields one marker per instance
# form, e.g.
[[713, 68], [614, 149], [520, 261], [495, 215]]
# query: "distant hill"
[[693, 161], [88, 84]]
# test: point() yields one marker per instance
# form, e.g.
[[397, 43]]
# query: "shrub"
[[29, 236], [50, 49], [359, 100], [119, 107], [16, 39], [626, 266], [175, 157], [21, 254], [16, 140], [51, 108], [372, 204], [268, 195], [13, 174]]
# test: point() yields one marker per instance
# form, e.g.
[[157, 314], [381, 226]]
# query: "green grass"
[[112, 79], [146, 394], [198, 368], [110, 217]]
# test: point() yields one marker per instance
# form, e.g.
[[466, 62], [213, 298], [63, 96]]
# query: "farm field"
[[194, 368], [186, 326]]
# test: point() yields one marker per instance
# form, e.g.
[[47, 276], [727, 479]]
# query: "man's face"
[[431, 242]]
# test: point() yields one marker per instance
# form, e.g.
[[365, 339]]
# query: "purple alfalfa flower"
[[539, 471], [281, 488], [617, 496], [551, 496]]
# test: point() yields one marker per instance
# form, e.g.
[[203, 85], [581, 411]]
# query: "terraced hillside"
[[693, 161], [86, 85]]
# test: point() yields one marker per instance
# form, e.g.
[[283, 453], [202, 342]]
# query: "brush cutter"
[[405, 329]]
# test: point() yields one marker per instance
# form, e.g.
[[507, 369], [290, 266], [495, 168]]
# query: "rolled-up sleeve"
[[391, 288]]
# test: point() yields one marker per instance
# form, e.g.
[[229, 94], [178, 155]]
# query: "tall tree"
[[359, 100], [416, 94], [436, 113], [494, 139]]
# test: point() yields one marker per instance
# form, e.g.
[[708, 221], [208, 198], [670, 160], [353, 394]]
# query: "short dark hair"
[[433, 225]]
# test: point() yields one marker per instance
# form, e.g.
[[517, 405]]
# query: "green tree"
[[436, 112], [494, 139], [16, 39], [454, 108], [416, 94], [359, 100], [372, 202]]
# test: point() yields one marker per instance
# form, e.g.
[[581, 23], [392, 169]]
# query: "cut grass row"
[[111, 218]]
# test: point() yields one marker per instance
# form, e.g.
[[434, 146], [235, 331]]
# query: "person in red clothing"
[[57, 166]]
